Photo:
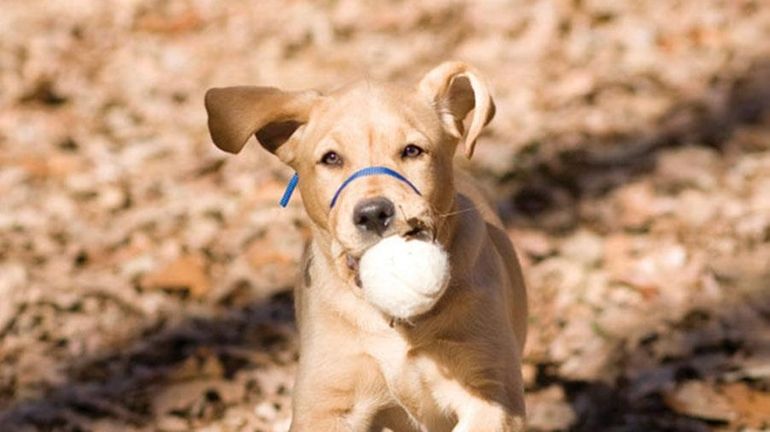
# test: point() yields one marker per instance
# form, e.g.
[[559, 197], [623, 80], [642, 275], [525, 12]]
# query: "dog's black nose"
[[374, 215]]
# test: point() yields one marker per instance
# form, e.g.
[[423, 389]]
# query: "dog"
[[453, 367]]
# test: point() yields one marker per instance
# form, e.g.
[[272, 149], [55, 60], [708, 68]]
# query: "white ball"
[[404, 278]]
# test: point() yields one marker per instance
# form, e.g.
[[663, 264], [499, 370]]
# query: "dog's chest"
[[390, 350], [412, 380]]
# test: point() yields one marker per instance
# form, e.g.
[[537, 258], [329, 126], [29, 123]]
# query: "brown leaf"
[[548, 410], [752, 406], [187, 272], [189, 20], [700, 400]]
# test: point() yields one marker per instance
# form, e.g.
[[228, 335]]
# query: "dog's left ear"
[[274, 116], [456, 88]]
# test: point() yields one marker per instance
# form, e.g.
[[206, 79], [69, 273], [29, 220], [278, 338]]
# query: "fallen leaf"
[[752, 406], [700, 400], [186, 273]]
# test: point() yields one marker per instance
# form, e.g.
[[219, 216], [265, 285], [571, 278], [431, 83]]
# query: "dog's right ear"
[[272, 115], [455, 89]]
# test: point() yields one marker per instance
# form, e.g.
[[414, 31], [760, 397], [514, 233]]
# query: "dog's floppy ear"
[[456, 88], [273, 115]]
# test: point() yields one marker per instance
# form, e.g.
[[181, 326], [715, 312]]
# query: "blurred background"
[[145, 276]]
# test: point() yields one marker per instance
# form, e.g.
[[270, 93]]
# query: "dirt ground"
[[145, 275]]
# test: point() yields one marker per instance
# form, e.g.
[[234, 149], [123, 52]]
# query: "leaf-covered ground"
[[145, 276]]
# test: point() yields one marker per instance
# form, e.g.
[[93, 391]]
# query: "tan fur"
[[455, 368]]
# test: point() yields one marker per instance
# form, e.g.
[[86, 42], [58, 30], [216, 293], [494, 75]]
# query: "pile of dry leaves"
[[145, 276]]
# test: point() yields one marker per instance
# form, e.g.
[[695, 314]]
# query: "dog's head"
[[326, 138]]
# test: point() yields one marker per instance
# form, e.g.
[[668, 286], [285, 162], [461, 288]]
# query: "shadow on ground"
[[545, 189], [549, 192], [124, 385], [722, 350]]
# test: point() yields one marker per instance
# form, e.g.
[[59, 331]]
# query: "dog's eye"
[[331, 158], [411, 151]]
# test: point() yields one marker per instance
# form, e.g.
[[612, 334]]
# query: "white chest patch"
[[409, 381], [390, 353]]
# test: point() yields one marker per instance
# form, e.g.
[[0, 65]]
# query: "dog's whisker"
[[445, 215], [403, 213]]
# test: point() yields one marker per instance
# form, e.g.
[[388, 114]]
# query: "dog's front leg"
[[323, 416], [344, 396], [326, 422], [326, 412], [328, 409]]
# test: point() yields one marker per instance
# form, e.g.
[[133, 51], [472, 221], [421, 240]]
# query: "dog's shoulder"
[[470, 189]]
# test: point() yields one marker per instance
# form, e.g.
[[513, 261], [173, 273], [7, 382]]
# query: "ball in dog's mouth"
[[404, 277]]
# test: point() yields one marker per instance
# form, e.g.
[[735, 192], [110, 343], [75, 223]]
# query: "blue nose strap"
[[370, 171], [363, 172]]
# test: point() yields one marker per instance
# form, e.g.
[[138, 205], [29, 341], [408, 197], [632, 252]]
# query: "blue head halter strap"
[[363, 172]]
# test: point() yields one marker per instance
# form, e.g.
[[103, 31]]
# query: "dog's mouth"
[[417, 229], [353, 265], [420, 230]]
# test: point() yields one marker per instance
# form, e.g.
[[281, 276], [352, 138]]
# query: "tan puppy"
[[453, 368]]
